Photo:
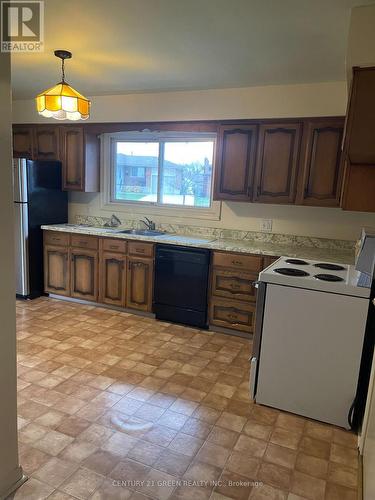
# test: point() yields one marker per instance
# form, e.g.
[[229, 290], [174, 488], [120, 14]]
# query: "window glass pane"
[[136, 171], [187, 173]]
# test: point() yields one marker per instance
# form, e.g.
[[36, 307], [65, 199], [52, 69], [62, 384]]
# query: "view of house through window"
[[166, 172]]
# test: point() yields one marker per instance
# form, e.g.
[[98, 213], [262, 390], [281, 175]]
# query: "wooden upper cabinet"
[[73, 158], [139, 284], [22, 142], [112, 279], [358, 192], [46, 143], [56, 270], [84, 274], [321, 164], [277, 163], [235, 160], [80, 159], [359, 145]]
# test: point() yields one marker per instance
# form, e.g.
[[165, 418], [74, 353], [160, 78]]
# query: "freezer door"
[[22, 249], [20, 180]]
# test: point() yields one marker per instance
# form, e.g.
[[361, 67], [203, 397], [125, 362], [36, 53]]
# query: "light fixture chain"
[[63, 69]]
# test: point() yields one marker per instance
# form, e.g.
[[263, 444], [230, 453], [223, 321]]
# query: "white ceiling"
[[124, 46]]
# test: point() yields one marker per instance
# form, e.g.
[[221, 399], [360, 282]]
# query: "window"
[[167, 170]]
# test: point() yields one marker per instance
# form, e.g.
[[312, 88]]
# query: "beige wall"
[[254, 102], [10, 472]]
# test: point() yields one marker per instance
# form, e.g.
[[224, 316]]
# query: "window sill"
[[212, 213]]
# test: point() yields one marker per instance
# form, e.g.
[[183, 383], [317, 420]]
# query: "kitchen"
[[192, 261]]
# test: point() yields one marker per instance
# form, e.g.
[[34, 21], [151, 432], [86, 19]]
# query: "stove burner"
[[328, 277], [329, 267], [290, 271], [297, 262]]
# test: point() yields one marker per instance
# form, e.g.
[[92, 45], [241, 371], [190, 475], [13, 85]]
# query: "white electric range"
[[310, 325]]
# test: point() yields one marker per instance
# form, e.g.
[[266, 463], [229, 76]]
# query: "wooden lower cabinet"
[[84, 274], [228, 283], [56, 270], [112, 288], [232, 314], [139, 283]]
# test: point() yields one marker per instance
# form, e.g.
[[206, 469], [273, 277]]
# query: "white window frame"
[[134, 208]]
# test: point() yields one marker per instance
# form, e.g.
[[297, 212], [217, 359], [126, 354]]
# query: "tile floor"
[[117, 406]]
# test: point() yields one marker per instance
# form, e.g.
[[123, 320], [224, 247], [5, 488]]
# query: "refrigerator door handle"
[[253, 376], [20, 181], [22, 249]]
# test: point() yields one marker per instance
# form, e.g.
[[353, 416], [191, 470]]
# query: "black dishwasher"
[[181, 283]]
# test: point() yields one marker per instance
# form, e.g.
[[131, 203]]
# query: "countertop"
[[342, 256]]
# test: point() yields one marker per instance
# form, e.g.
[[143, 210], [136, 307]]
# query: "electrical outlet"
[[266, 225]]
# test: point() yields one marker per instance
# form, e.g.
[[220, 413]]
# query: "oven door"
[[254, 360]]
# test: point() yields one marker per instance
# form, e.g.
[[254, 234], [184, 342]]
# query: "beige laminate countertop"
[[342, 256]]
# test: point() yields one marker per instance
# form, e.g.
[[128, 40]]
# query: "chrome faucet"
[[148, 223], [114, 221]]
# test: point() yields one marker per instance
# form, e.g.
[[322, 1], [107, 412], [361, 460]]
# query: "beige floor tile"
[[234, 486], [82, 483], [280, 455], [53, 442], [275, 475], [255, 429], [213, 454], [110, 491], [78, 451], [119, 444], [251, 446], [340, 474], [232, 422], [102, 462], [317, 467], [145, 453], [243, 464], [55, 471], [185, 444], [308, 486], [267, 492], [223, 437], [32, 459], [129, 471], [284, 437], [32, 490], [338, 492], [158, 485], [173, 463], [315, 447], [344, 455]]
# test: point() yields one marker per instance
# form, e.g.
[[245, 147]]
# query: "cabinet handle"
[[235, 286], [113, 247], [140, 250], [237, 263]]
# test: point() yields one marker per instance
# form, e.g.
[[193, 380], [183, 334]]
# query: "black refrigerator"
[[38, 200]]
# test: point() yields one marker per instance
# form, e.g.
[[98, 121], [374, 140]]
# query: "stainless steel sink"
[[142, 232]]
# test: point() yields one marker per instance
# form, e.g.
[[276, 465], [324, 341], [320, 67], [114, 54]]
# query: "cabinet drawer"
[[246, 262], [83, 241], [234, 285], [112, 245], [56, 238], [232, 314], [140, 248]]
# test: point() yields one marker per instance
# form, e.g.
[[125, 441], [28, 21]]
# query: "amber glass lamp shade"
[[63, 103]]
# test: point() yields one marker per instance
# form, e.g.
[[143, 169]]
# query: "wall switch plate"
[[266, 225]]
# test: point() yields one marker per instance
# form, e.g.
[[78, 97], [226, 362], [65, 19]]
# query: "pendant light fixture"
[[62, 102]]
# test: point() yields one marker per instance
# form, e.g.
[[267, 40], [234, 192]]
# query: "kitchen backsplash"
[[220, 233]]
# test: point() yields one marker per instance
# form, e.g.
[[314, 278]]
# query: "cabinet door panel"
[[72, 155], [359, 135], [277, 162], [139, 284], [22, 142], [56, 270], [112, 279], [235, 162], [322, 166], [232, 314], [231, 284], [46, 143], [84, 271]]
